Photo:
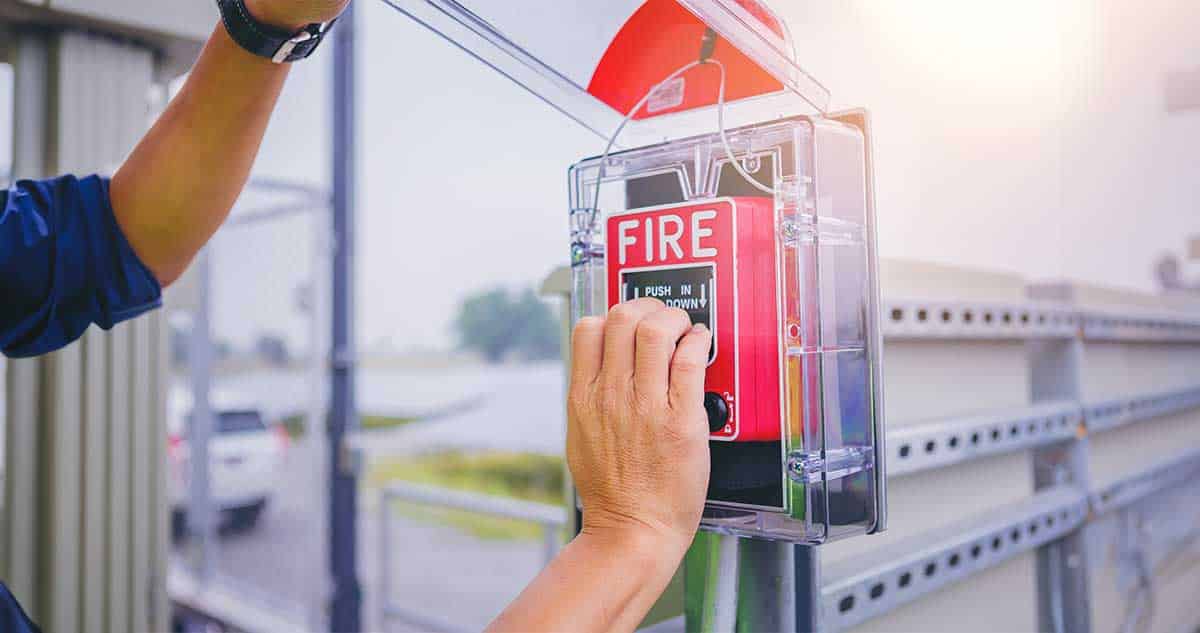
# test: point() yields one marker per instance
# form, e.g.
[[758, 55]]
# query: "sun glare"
[[1005, 50]]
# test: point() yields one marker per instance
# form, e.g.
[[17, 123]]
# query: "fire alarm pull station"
[[727, 189], [786, 284], [706, 258]]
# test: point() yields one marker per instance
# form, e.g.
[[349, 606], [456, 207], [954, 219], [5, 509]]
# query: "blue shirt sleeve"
[[12, 616], [64, 265]]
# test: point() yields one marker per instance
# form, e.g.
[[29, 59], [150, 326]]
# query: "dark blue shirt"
[[64, 265], [12, 616]]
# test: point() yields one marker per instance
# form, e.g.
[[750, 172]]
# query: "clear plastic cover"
[[593, 60], [785, 282]]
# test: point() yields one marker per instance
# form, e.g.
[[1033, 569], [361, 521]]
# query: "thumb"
[[688, 367]]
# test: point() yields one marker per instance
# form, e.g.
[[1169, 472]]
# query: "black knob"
[[718, 411]]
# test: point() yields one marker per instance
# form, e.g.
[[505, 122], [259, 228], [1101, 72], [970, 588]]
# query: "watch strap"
[[267, 41]]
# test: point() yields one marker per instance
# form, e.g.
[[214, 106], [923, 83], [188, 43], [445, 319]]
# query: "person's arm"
[[180, 183], [637, 447]]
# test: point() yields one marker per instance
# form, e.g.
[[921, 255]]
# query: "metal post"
[[385, 557], [808, 588], [200, 427], [1064, 603], [313, 443], [766, 586], [345, 612], [712, 583], [750, 585]]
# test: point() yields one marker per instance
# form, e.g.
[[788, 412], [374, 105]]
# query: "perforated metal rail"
[[950, 441], [1121, 411], [1114, 326], [1184, 468], [883, 579], [904, 319], [939, 443], [902, 572], [924, 319]]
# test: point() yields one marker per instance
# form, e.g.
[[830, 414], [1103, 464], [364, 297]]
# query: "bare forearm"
[[595, 584], [181, 181]]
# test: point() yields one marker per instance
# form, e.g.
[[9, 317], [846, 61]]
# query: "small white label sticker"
[[670, 95]]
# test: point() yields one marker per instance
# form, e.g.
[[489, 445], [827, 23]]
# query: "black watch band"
[[267, 41]]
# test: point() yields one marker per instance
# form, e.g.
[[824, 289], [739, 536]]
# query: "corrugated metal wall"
[[84, 532]]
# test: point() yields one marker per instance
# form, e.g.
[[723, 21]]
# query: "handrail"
[[229, 603], [502, 507], [551, 518]]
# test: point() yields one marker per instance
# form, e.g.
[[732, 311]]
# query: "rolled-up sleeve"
[[64, 265]]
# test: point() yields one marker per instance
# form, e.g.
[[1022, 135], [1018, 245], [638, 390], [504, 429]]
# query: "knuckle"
[[686, 429], [648, 302], [645, 402], [686, 364], [654, 331], [679, 316], [612, 400], [622, 314]]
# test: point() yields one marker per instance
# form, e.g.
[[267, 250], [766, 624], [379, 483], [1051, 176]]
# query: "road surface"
[[438, 571]]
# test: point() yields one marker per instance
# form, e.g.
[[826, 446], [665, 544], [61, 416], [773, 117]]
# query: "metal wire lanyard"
[[706, 50]]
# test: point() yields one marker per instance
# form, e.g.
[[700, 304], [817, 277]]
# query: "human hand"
[[292, 15], [637, 436]]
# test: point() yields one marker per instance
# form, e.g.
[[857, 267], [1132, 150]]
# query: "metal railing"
[[552, 519], [1056, 428]]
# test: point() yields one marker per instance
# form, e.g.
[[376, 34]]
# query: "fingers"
[[620, 331], [587, 350], [688, 367], [656, 337]]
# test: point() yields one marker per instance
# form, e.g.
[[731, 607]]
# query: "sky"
[[1023, 137], [463, 187]]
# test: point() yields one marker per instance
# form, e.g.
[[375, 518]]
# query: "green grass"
[[524, 476], [295, 424], [372, 422]]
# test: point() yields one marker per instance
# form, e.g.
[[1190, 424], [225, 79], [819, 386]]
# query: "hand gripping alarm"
[[717, 260]]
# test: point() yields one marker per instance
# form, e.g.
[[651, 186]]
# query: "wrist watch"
[[267, 41]]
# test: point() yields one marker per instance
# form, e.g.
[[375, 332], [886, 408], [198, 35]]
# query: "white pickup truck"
[[245, 459]]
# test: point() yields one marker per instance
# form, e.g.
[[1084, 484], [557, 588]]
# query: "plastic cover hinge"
[[832, 464]]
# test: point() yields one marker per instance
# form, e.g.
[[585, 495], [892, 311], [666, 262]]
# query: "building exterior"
[[83, 532]]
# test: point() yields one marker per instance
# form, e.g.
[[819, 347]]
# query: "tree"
[[498, 325]]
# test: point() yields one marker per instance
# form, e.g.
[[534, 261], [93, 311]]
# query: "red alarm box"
[[718, 260]]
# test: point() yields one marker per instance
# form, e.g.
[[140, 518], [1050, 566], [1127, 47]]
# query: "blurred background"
[[1017, 143]]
